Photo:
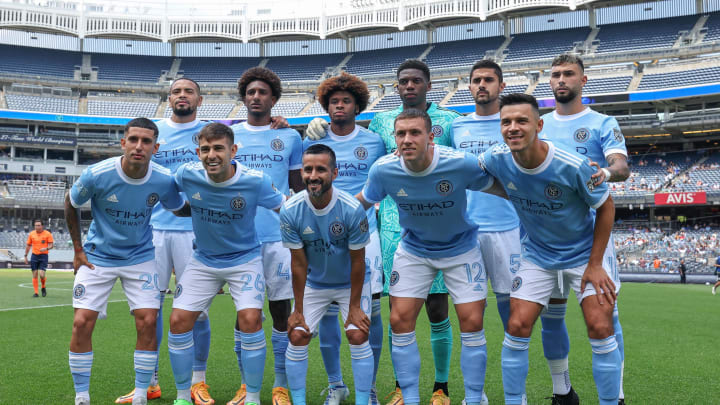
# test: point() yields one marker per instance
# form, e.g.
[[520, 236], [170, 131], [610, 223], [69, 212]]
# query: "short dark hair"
[[568, 58], [414, 64], [415, 113], [188, 79], [487, 64], [37, 220], [264, 75], [345, 82], [519, 98], [320, 149], [216, 130], [142, 122]]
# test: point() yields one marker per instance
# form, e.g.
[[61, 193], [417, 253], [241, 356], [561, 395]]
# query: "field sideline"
[[670, 331]]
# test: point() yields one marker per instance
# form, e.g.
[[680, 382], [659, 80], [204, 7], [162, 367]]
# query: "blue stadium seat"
[[217, 69], [546, 44], [661, 33], [39, 61], [130, 68], [381, 61], [680, 79], [461, 53], [305, 67]]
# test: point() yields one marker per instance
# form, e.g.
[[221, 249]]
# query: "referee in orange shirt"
[[41, 241]]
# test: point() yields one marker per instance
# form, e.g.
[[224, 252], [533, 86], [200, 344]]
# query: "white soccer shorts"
[[173, 250], [92, 288], [501, 257], [464, 275], [200, 284], [317, 300], [609, 264], [535, 284], [373, 260], [276, 268]]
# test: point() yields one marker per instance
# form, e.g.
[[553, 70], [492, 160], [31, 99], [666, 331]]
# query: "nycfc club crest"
[[337, 229], [277, 144], [237, 203], [617, 134], [394, 277], [436, 130], [444, 187], [553, 192], [361, 153], [516, 283], [364, 225], [582, 135], [79, 291], [152, 199], [178, 291], [195, 139]]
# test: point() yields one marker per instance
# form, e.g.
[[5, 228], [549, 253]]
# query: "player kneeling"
[[326, 230]]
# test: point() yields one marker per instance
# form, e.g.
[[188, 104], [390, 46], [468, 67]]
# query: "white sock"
[[154, 380], [140, 393], [83, 394], [252, 397], [198, 376], [184, 394], [622, 375], [560, 373]]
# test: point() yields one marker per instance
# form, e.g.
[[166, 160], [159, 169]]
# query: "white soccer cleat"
[[82, 401], [483, 401], [316, 129], [335, 395]]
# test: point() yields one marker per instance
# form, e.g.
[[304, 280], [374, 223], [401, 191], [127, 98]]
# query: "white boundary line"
[[46, 306]]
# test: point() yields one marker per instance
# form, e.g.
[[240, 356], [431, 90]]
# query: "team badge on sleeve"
[[444, 187], [237, 203], [617, 134], [337, 229], [553, 192], [277, 144], [582, 135], [79, 291], [152, 199], [364, 226], [361, 153], [590, 185], [195, 139]]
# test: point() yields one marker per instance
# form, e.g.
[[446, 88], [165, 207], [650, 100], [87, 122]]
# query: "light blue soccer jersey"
[[475, 134], [120, 233], [588, 133], [354, 153], [223, 214], [327, 236], [273, 152], [178, 144], [554, 202], [432, 203]]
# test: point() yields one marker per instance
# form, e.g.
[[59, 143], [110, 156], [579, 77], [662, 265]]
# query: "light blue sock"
[[279, 341], [390, 348], [253, 359], [621, 345], [376, 336], [181, 349], [145, 362], [441, 341], [514, 368], [80, 367], [362, 366], [556, 346], [201, 337], [296, 364], [473, 361], [406, 360], [606, 363], [503, 306], [159, 333], [329, 330], [238, 352]]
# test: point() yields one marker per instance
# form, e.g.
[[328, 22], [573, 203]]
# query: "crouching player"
[[554, 194], [326, 230], [224, 196], [122, 192]]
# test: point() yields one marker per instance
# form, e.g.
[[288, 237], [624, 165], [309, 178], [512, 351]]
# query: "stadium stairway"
[[83, 105], [500, 52], [341, 66], [160, 112], [234, 112], [635, 81], [587, 46], [426, 52], [448, 96], [307, 107], [531, 87], [3, 102], [174, 68]]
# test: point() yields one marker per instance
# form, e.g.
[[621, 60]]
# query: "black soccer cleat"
[[35, 295], [44, 293], [621, 401], [571, 398]]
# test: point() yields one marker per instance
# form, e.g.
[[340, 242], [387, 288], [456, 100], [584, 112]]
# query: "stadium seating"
[[36, 191], [114, 108], [639, 35], [704, 176], [680, 79], [460, 54], [546, 44], [713, 28], [618, 84], [315, 109], [285, 109], [464, 97], [651, 172], [209, 110], [24, 60], [305, 67], [44, 104], [381, 61], [216, 69], [130, 68]]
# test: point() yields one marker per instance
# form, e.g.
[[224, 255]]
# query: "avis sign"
[[681, 198]]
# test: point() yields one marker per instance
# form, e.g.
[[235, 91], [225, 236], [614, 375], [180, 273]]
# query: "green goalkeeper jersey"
[[384, 124]]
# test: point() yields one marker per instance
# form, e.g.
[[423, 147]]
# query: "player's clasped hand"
[[79, 260], [599, 176], [297, 320], [357, 317], [604, 286]]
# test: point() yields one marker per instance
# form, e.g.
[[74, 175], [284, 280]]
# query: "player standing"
[[172, 235], [575, 127], [343, 98], [224, 196], [553, 194], [413, 84], [41, 241], [123, 192], [326, 230], [428, 184], [277, 153]]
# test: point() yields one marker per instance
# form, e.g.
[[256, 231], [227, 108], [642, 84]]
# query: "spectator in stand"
[[656, 264]]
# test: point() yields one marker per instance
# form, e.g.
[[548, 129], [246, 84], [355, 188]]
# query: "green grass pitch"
[[671, 334]]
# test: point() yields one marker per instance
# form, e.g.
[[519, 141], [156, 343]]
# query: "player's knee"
[[180, 322], [299, 337], [249, 320], [401, 322], [436, 307], [356, 337], [146, 321], [519, 327], [600, 328], [82, 325], [471, 321]]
